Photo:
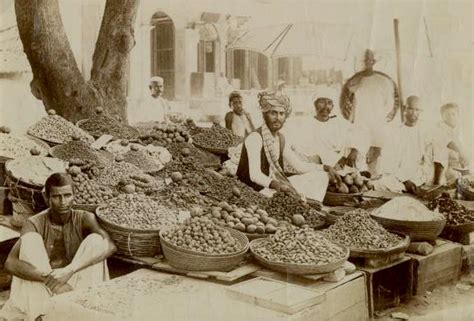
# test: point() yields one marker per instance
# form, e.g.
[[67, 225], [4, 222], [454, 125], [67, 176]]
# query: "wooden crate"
[[389, 285], [441, 266]]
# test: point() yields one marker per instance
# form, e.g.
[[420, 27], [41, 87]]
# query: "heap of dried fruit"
[[56, 129], [454, 212], [139, 183], [138, 211], [111, 173], [186, 151], [351, 183], [88, 191], [289, 208], [216, 137], [164, 134], [357, 230], [76, 149], [141, 159], [202, 235], [159, 154], [250, 220], [300, 246], [102, 124], [12, 146]]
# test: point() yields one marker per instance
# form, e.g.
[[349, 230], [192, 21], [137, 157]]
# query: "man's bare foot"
[[63, 289]]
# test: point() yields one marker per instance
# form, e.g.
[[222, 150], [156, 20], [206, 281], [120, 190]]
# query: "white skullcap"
[[156, 79], [324, 92]]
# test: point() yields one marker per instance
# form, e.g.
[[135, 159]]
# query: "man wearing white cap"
[[155, 107]]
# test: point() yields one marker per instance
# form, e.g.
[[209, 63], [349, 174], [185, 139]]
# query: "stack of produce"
[[91, 192], [182, 151], [111, 173], [101, 124], [351, 183], [248, 220], [141, 159], [202, 235], [284, 207], [356, 229], [299, 246], [56, 129], [12, 146], [140, 183], [165, 134], [216, 138], [454, 212], [76, 149], [159, 154], [138, 211], [406, 208]]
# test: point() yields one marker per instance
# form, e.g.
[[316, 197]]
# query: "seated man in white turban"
[[60, 249], [264, 152]]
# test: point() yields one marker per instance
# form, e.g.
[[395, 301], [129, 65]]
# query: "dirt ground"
[[450, 302]]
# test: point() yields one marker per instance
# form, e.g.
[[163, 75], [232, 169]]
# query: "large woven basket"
[[131, 242], [293, 268], [189, 260], [340, 199], [463, 187], [460, 228], [367, 253], [416, 230]]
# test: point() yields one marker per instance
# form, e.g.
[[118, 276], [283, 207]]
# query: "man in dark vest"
[[60, 249], [264, 153]]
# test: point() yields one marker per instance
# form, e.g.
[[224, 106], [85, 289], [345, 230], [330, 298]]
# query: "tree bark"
[[57, 80]]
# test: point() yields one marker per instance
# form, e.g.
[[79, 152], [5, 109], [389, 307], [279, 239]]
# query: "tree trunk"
[[57, 80]]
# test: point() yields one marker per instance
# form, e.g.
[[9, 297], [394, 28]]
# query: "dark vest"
[[243, 173]]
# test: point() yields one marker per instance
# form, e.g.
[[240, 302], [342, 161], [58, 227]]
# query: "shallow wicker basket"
[[416, 230], [131, 242], [367, 253], [336, 212], [460, 228], [293, 268], [189, 260], [340, 199]]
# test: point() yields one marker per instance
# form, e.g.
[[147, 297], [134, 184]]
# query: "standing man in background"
[[369, 100], [153, 108]]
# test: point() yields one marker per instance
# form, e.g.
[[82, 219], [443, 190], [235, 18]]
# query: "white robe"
[[407, 155], [151, 109], [442, 135]]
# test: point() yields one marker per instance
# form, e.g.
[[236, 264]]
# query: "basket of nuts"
[[299, 251], [133, 221], [201, 245]]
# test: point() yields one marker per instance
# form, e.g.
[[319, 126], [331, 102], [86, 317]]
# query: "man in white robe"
[[406, 160], [154, 107]]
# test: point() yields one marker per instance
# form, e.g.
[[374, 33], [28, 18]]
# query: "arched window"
[[162, 51]]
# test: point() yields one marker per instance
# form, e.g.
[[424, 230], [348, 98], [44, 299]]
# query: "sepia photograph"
[[236, 160]]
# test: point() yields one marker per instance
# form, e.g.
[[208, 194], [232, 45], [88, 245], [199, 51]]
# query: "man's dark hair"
[[233, 95], [448, 106], [57, 180]]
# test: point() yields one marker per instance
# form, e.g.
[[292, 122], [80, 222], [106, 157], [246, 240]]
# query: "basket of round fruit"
[[301, 251], [201, 245], [465, 187], [348, 192], [252, 221]]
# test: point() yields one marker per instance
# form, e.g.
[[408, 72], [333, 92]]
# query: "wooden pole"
[[399, 66]]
